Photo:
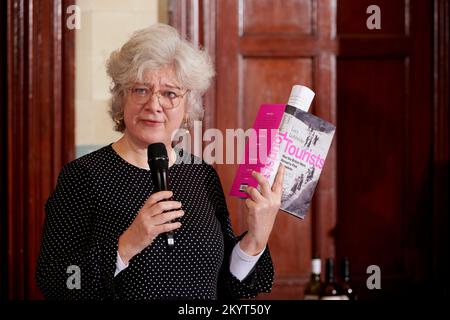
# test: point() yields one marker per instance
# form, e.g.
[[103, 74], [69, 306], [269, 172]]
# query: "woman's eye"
[[141, 91], [170, 94]]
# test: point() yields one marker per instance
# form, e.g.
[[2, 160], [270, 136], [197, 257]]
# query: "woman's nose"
[[153, 104]]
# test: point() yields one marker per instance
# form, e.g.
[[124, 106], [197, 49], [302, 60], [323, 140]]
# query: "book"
[[290, 135]]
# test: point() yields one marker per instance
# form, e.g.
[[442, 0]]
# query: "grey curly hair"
[[150, 49]]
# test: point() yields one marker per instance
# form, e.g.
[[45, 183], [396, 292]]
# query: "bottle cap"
[[301, 97]]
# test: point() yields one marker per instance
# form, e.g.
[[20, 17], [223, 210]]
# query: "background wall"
[[105, 27]]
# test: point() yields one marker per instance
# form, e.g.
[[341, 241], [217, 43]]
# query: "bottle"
[[346, 286], [330, 289], [312, 290]]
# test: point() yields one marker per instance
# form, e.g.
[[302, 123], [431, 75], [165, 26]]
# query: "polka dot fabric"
[[95, 200]]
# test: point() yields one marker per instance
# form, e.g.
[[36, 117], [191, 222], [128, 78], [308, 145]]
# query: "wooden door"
[[374, 202], [263, 48]]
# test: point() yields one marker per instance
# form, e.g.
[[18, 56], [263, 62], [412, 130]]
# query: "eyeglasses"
[[167, 99]]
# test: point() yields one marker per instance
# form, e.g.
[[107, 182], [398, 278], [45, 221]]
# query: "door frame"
[[39, 135]]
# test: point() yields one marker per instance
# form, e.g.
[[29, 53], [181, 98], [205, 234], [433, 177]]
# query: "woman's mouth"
[[152, 123]]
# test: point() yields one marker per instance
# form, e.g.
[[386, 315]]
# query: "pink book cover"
[[267, 124]]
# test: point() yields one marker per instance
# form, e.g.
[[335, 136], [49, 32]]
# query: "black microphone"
[[158, 162]]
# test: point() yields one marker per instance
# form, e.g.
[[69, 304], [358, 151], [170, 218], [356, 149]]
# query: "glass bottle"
[[330, 289], [346, 286], [312, 290]]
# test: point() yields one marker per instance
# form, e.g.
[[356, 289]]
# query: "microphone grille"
[[157, 156]]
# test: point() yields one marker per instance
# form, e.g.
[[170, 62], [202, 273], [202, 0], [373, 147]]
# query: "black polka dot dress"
[[96, 199]]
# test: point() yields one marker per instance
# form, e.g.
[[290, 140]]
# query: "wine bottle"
[[346, 286], [312, 290], [330, 289]]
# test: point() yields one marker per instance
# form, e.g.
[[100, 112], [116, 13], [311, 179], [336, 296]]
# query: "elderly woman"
[[104, 219]]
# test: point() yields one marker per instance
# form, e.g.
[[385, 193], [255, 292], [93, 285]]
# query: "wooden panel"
[[289, 243], [3, 152], [372, 183], [285, 46], [324, 206], [40, 127], [441, 222], [276, 16], [226, 80], [384, 116], [355, 46], [352, 17], [269, 80]]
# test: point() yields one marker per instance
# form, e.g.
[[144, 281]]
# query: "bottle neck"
[[346, 270], [329, 276]]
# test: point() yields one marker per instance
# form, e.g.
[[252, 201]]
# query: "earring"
[[119, 118], [186, 123]]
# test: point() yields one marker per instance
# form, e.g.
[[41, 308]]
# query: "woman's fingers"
[[263, 183], [254, 194], [166, 217], [155, 217], [167, 227], [162, 206], [250, 203], [156, 197], [277, 186]]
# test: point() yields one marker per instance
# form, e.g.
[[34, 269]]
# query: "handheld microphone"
[[158, 162]]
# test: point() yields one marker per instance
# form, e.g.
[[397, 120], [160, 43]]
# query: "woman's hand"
[[262, 210], [150, 221]]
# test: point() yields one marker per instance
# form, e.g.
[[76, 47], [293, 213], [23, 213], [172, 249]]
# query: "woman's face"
[[149, 122]]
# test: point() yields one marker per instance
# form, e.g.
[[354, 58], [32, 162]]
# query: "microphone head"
[[157, 156]]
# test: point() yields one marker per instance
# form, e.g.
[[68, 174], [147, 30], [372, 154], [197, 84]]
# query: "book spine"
[[269, 169], [266, 125]]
